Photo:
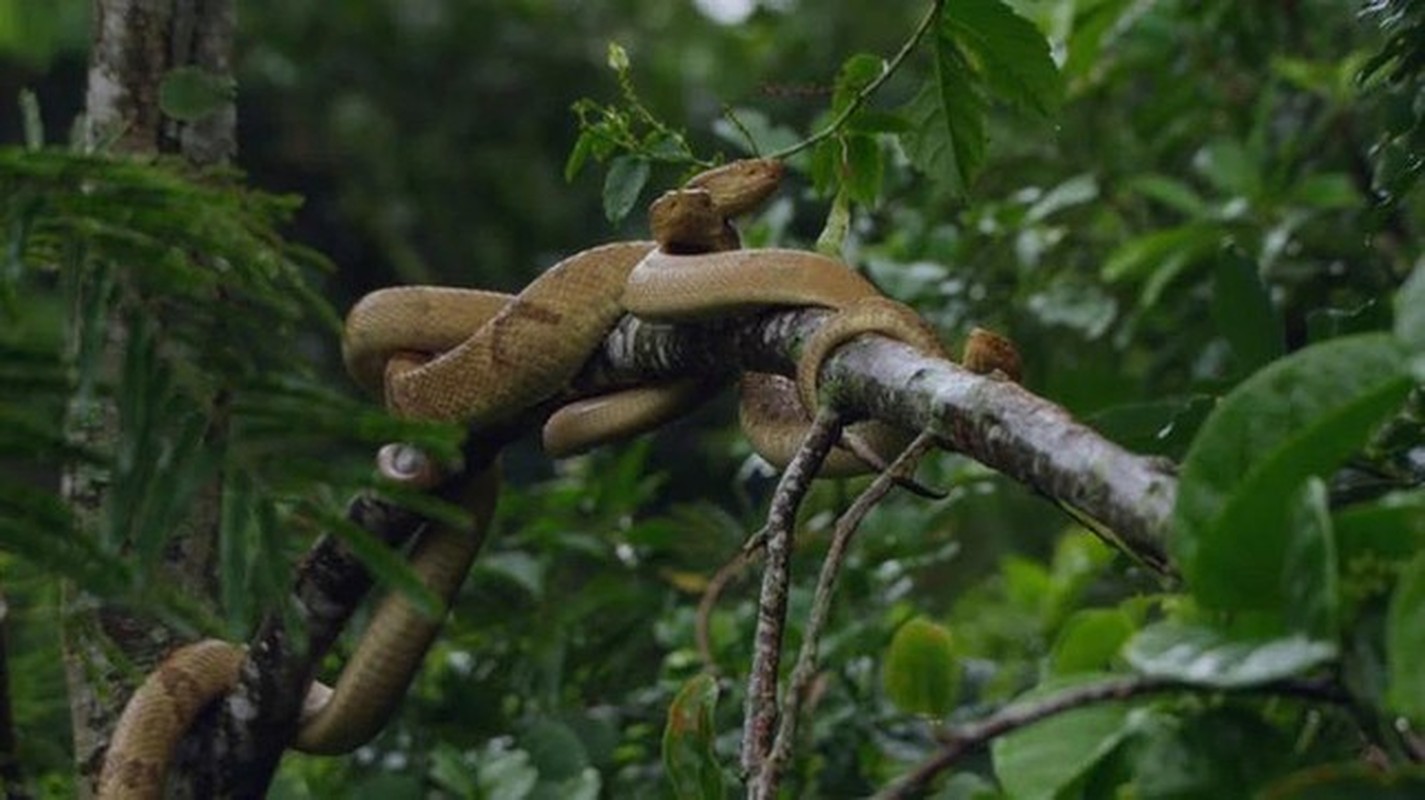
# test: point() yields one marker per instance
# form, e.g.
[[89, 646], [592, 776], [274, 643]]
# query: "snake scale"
[[479, 357]]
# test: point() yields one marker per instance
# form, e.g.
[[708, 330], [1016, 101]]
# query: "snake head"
[[738, 187], [686, 221]]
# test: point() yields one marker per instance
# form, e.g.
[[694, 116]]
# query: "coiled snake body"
[[482, 357]]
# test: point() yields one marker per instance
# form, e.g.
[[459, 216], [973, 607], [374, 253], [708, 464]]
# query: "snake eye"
[[407, 465]]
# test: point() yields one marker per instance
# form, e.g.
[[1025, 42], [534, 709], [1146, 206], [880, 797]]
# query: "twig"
[[761, 709], [966, 738], [869, 89], [702, 623], [805, 669]]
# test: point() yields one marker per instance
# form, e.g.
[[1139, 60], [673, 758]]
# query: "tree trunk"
[[135, 44]]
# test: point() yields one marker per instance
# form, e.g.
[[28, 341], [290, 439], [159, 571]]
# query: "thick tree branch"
[[998, 423]]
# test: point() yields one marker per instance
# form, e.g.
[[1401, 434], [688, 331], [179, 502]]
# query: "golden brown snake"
[[484, 357]]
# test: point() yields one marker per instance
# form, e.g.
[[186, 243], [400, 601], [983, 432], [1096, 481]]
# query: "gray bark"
[[135, 43]]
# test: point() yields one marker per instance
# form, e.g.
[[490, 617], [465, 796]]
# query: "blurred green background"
[[429, 140]]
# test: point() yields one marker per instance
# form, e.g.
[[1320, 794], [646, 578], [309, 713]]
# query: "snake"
[[481, 358]]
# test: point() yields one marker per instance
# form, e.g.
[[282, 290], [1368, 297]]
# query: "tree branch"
[[761, 712], [966, 738], [998, 423], [805, 668]]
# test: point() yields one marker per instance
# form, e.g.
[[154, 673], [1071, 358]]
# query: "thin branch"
[[761, 709], [702, 623], [931, 15], [805, 668], [970, 736]]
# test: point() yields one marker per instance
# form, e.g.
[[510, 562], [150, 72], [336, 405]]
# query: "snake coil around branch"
[[484, 358]]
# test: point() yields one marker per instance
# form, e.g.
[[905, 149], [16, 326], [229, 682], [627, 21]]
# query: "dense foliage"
[[1200, 220]]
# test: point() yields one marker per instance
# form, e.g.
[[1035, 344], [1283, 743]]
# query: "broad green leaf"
[[1141, 258], [191, 93], [1072, 192], [947, 136], [863, 169], [688, 739], [1093, 20], [1039, 761], [554, 749], [1353, 780], [1298, 417], [506, 774], [1405, 643], [1209, 657], [1089, 641], [1230, 168], [622, 185], [1391, 528], [1311, 580], [1010, 54], [449, 770], [856, 72], [921, 673], [1170, 192], [1243, 312], [516, 566], [1217, 752]]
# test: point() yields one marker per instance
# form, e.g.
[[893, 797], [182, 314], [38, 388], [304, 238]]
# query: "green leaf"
[[947, 136], [688, 739], [622, 185], [1074, 191], [1011, 54], [554, 749], [1209, 657], [1298, 417], [1391, 528], [921, 673], [1145, 256], [1311, 578], [1405, 643], [855, 74], [1243, 311], [863, 169], [449, 770], [1090, 640], [192, 93], [1217, 752], [583, 148], [1094, 20], [1229, 167], [1040, 761], [1171, 192]]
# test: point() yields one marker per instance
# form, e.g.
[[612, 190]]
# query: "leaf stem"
[[931, 15]]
